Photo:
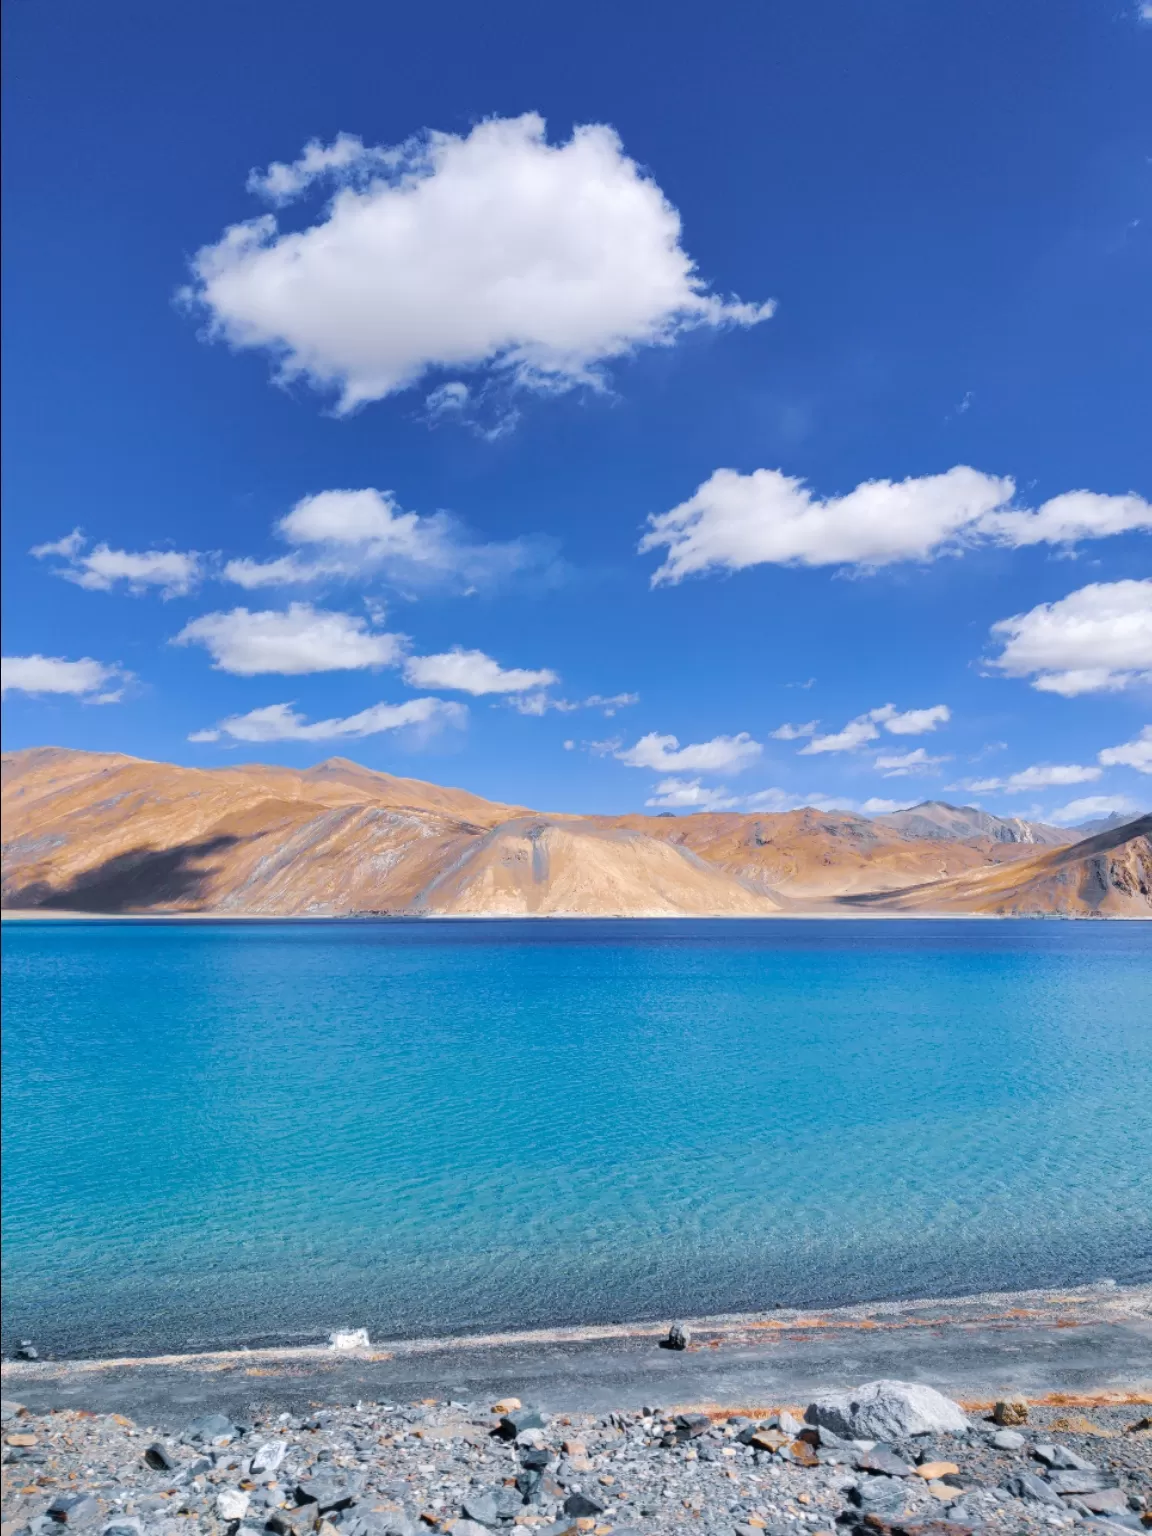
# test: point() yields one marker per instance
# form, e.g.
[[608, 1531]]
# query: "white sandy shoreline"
[[1103, 1301]]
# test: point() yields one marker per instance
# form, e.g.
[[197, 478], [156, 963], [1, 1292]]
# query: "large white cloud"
[[1130, 754], [689, 794], [862, 730], [301, 639], [1096, 639], [450, 252], [664, 754], [85, 679], [280, 722], [173, 572], [1041, 776], [768, 517], [472, 672], [345, 535]]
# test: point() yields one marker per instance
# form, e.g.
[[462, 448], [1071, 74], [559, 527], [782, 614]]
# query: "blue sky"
[[599, 409]]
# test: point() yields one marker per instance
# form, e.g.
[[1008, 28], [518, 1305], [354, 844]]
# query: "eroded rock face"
[[888, 1410]]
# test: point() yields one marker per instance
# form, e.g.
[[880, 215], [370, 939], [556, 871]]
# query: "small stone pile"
[[888, 1459]]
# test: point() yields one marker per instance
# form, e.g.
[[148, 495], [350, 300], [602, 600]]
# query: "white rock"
[[349, 1338], [788, 1424], [269, 1457], [887, 1410], [232, 1504]]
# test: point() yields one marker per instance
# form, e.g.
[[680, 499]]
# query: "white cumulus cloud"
[[1130, 754], [299, 640], [1041, 776], [173, 572], [1096, 639], [767, 517], [664, 754], [345, 535], [89, 680], [790, 732], [472, 672], [689, 794], [912, 722], [862, 730], [281, 722], [497, 249]]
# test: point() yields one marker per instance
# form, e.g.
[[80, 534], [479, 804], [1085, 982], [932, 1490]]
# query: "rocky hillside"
[[101, 832], [1108, 875]]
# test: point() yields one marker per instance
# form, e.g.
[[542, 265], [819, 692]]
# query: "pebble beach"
[[884, 1458]]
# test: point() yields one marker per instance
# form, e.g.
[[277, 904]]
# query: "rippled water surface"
[[251, 1132]]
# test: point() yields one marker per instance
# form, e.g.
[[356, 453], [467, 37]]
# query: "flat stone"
[[1103, 1500], [802, 1454], [326, 1493], [1080, 1482], [269, 1457], [883, 1459], [689, 1425], [763, 1439], [480, 1508], [1027, 1486], [883, 1496], [581, 1505], [211, 1429], [73, 1509], [888, 1410], [507, 1405], [20, 1440], [1007, 1440], [1062, 1458], [294, 1522], [935, 1469]]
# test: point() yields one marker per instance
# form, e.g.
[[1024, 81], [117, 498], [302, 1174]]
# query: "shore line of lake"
[[1091, 1343]]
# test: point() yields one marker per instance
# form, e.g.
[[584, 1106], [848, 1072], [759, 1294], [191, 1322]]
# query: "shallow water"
[[225, 1133]]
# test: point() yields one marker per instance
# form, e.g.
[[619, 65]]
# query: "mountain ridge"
[[106, 832]]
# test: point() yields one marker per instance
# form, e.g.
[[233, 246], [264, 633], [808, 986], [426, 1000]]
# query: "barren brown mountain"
[[101, 832]]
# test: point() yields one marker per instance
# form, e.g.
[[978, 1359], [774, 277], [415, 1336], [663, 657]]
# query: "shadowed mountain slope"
[[102, 832]]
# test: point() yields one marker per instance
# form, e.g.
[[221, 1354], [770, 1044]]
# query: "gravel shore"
[[377, 1469]]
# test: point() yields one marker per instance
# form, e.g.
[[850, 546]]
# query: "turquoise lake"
[[255, 1132]]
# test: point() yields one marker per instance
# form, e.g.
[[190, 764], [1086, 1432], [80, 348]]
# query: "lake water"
[[253, 1133]]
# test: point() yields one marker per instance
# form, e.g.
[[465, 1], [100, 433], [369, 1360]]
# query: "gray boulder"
[[888, 1410], [1034, 1489]]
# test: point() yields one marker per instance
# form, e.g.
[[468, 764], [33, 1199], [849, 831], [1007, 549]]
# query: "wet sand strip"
[[1084, 1345]]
